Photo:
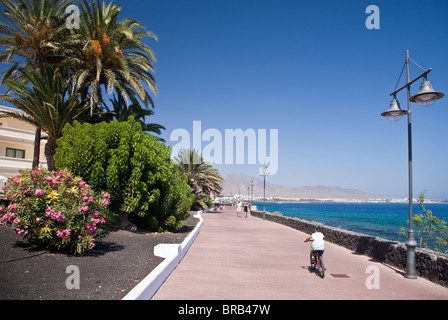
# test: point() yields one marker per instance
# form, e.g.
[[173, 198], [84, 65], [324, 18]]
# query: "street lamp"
[[252, 188], [394, 113], [425, 97], [264, 172]]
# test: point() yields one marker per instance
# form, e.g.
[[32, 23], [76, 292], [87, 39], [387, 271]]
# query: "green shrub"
[[55, 210], [133, 167]]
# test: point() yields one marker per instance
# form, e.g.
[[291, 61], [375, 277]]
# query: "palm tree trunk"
[[36, 155], [125, 224], [50, 151]]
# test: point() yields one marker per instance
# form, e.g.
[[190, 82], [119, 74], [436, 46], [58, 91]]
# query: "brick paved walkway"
[[251, 259]]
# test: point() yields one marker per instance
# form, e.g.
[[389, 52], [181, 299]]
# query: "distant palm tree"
[[31, 34], [48, 105], [111, 53], [202, 177]]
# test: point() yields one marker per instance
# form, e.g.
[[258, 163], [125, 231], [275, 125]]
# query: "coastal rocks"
[[429, 264]]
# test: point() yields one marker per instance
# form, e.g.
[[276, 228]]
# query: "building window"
[[15, 153]]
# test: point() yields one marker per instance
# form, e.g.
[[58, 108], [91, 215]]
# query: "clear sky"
[[312, 70]]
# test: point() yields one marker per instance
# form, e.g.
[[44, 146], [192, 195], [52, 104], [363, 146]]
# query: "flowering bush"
[[133, 167], [55, 210]]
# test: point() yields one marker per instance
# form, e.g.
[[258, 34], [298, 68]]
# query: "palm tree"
[[110, 53], [121, 112], [31, 35], [202, 177], [48, 105], [103, 52]]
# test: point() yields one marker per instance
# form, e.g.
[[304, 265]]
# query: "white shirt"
[[318, 241]]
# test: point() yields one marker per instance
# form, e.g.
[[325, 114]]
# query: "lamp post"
[[425, 97], [252, 188], [264, 172]]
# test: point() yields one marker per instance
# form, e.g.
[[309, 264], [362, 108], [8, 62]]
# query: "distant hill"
[[238, 183]]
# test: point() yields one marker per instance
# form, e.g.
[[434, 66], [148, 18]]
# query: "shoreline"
[[383, 220], [385, 201]]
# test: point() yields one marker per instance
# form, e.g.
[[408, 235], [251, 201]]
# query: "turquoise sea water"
[[382, 220]]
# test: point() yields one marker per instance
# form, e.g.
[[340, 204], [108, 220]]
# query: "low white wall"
[[173, 254]]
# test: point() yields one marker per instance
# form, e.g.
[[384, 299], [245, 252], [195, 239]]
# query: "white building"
[[16, 146]]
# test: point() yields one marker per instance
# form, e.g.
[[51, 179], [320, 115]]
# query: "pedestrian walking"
[[246, 208], [238, 208]]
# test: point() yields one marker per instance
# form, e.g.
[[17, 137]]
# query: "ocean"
[[382, 220]]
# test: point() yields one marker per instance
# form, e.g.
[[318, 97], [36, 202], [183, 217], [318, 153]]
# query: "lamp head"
[[264, 172], [394, 113], [426, 96]]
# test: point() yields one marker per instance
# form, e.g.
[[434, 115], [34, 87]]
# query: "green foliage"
[[201, 176], [429, 229], [55, 210], [48, 105], [110, 53], [121, 111], [133, 167]]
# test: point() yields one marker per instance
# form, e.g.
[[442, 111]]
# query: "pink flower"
[[91, 228], [65, 233], [8, 217], [16, 221], [57, 216], [39, 192], [12, 207], [88, 200], [105, 202], [37, 219], [21, 231], [84, 209]]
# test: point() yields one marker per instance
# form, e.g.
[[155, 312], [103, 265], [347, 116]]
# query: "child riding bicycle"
[[318, 243]]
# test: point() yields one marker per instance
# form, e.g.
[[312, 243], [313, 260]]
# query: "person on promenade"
[[318, 243], [246, 208], [238, 208]]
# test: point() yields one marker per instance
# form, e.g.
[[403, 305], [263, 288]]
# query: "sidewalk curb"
[[173, 254]]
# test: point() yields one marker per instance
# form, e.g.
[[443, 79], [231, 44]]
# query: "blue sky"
[[313, 71]]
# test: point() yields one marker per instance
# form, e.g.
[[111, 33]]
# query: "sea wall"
[[429, 264]]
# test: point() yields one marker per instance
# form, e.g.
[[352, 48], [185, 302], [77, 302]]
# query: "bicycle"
[[317, 262], [316, 256]]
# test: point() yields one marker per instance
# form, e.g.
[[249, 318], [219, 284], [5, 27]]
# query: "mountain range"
[[239, 183]]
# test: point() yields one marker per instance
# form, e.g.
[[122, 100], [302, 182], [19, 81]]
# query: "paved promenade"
[[251, 259]]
